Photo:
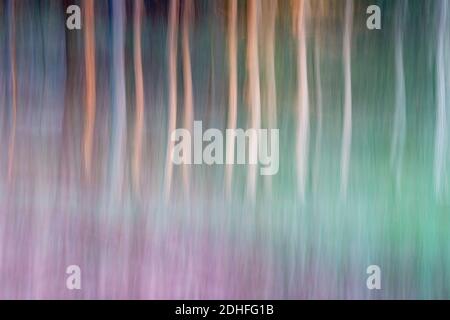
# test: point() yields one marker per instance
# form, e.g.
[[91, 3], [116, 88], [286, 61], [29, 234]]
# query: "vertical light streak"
[[139, 92], [347, 126], [270, 13], [89, 54], [302, 101], [232, 88], [254, 94], [399, 136], [172, 39], [187, 80]]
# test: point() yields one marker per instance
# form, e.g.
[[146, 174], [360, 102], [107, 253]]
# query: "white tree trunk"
[[302, 102], [347, 129]]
